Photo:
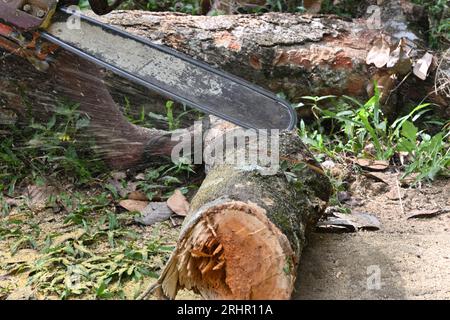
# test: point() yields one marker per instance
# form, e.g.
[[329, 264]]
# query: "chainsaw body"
[[20, 21], [27, 15]]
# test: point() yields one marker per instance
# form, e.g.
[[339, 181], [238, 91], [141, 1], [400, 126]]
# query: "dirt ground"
[[406, 259]]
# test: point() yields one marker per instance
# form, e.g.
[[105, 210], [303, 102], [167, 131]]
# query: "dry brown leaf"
[[385, 84], [178, 203], [399, 62], [379, 54], [74, 235], [137, 195], [422, 65], [372, 165], [122, 190], [134, 205], [38, 196], [377, 176], [349, 223], [153, 213]]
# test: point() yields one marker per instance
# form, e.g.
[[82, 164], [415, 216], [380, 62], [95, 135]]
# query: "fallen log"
[[291, 53], [300, 55], [245, 231]]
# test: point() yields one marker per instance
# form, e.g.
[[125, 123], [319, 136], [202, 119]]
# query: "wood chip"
[[422, 65], [208, 267], [372, 165], [219, 266], [218, 249], [199, 254]]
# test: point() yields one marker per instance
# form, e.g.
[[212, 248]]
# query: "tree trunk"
[[246, 230], [299, 55], [291, 53]]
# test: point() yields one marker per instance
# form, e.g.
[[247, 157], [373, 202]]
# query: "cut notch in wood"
[[235, 252]]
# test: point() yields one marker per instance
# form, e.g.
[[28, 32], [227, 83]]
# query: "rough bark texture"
[[245, 232], [292, 53]]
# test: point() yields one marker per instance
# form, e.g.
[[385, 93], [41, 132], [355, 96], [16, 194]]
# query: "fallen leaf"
[[123, 189], [399, 61], [23, 293], [178, 203], [385, 84], [23, 255], [118, 175], [328, 164], [344, 196], [140, 176], [38, 196], [176, 220], [376, 176], [409, 180], [137, 195], [133, 205], [365, 221], [13, 202], [372, 165], [338, 223], [393, 194], [379, 53], [427, 213], [422, 65], [154, 212], [74, 235]]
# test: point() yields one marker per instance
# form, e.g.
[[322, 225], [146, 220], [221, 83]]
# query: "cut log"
[[291, 53], [245, 231], [299, 55]]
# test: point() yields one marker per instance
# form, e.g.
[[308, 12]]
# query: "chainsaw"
[[35, 29]]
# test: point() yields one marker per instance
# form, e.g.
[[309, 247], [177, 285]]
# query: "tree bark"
[[299, 55], [245, 231], [291, 53]]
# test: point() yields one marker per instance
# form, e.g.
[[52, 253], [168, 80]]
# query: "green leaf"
[[409, 131]]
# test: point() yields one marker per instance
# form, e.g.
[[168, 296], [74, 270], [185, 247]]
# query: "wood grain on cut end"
[[235, 252]]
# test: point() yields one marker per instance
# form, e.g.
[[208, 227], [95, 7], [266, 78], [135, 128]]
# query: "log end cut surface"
[[234, 252]]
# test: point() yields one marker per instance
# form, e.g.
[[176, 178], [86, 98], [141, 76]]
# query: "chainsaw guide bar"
[[171, 73]]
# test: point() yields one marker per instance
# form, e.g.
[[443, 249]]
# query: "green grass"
[[112, 250], [350, 128], [439, 19], [102, 254], [52, 150]]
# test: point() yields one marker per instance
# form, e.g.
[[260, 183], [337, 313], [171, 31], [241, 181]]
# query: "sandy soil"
[[406, 259]]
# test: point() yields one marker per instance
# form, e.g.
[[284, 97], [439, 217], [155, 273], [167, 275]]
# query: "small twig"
[[398, 86], [152, 288], [399, 195]]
